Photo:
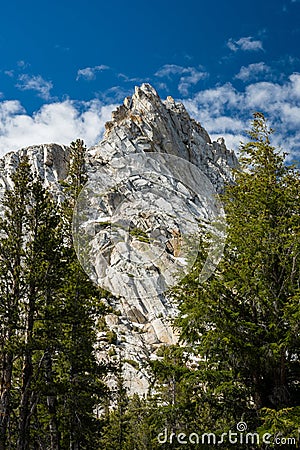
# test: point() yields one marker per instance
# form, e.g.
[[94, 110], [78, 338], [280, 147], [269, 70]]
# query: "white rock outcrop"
[[143, 124], [49, 161]]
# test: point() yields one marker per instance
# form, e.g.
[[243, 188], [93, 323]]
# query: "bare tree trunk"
[[51, 403], [24, 421], [74, 422], [25, 413], [7, 361]]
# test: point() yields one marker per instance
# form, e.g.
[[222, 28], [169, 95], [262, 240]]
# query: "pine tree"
[[129, 423], [243, 323], [13, 229], [27, 248], [115, 427], [39, 262], [83, 308], [51, 380]]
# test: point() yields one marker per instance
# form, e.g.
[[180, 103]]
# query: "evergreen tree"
[[243, 323], [51, 381], [42, 226], [128, 423], [27, 230], [82, 310], [13, 229], [114, 430]]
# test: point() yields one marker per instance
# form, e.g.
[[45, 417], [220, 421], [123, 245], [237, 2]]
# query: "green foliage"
[[238, 358], [243, 322], [139, 234], [51, 381], [127, 425], [111, 337], [286, 420]]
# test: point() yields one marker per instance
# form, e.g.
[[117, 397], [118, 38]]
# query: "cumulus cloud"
[[59, 122], [245, 44], [216, 100], [253, 71], [188, 76], [35, 83], [225, 111], [89, 73]]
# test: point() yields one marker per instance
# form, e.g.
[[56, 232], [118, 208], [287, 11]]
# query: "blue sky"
[[66, 64]]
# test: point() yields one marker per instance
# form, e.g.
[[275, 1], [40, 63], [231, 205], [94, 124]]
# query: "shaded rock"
[[144, 123]]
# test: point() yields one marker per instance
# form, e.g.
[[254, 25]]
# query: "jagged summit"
[[146, 123], [146, 100], [143, 123]]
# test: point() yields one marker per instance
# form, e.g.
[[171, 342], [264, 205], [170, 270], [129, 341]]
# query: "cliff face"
[[151, 180], [145, 123], [49, 161]]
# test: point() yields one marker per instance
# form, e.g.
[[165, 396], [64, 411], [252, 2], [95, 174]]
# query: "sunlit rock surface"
[[143, 125]]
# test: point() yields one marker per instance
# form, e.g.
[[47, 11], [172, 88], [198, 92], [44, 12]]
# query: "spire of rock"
[[143, 123], [146, 123]]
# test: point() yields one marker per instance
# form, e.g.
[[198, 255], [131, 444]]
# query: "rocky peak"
[[146, 123], [143, 123]]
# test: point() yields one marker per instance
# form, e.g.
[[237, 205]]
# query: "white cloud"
[[89, 73], [22, 64], [35, 83], [60, 122], [232, 140], [189, 76], [265, 94], [9, 73], [115, 94], [128, 79], [62, 48], [245, 44], [190, 80], [161, 86], [171, 69], [225, 111], [253, 71], [9, 108], [295, 84], [216, 99]]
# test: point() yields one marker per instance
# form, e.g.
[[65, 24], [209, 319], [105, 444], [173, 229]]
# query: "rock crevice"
[[142, 124]]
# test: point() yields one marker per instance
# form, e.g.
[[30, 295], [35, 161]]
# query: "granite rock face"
[[143, 125], [49, 161], [146, 123]]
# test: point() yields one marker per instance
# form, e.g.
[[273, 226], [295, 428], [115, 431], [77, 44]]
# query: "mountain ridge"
[[142, 124]]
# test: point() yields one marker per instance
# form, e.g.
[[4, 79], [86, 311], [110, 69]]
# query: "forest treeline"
[[50, 380], [236, 367]]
